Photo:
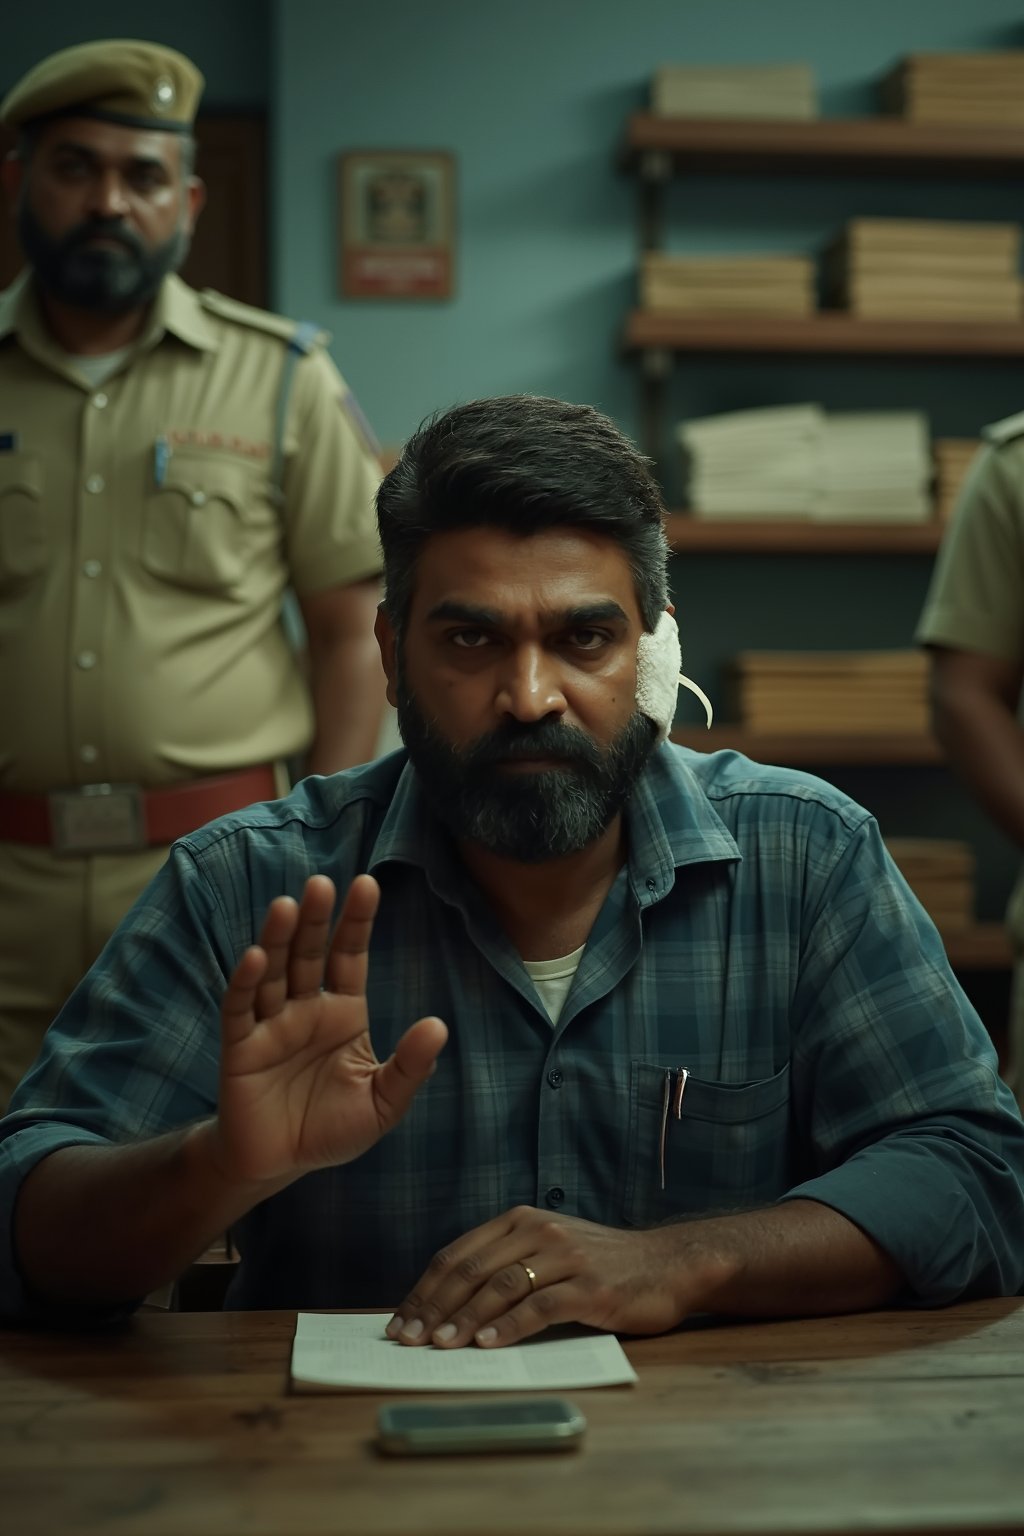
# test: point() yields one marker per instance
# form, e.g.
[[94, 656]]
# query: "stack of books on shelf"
[[735, 90], [876, 466], [953, 457], [832, 692], [757, 463], [918, 269], [969, 89], [803, 462], [940, 872], [722, 285]]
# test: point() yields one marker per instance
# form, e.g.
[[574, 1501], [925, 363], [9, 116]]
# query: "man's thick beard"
[[526, 815], [101, 279]]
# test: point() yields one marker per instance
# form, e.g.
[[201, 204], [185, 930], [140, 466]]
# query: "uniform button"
[[198, 498], [555, 1078], [95, 484], [652, 886], [99, 401], [89, 754], [91, 568], [86, 660], [555, 1196]]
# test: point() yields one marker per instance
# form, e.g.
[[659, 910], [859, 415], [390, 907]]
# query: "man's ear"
[[195, 200], [12, 173], [385, 633]]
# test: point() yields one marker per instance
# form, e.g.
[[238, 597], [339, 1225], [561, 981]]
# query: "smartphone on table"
[[513, 1424]]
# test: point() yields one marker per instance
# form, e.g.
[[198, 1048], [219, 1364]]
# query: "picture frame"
[[397, 224]]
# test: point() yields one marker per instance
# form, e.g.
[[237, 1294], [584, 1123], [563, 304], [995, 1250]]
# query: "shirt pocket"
[[731, 1148], [24, 531], [203, 526]]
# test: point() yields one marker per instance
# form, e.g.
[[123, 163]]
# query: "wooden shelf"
[[854, 145], [802, 751], [984, 947], [796, 536], [828, 331]]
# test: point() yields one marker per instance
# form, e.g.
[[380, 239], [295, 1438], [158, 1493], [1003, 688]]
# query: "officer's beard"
[[108, 279], [526, 815]]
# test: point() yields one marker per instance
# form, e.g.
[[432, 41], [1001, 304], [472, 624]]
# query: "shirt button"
[[652, 886], [555, 1078], [86, 660], [89, 754], [198, 498], [555, 1196], [91, 568], [99, 401], [95, 484]]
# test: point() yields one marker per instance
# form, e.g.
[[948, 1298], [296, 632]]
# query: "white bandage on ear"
[[658, 675]]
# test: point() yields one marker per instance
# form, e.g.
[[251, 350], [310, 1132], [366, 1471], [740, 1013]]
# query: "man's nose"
[[109, 199], [530, 686]]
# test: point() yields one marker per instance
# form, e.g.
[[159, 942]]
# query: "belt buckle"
[[98, 818]]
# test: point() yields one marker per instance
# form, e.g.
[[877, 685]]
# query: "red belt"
[[113, 818]]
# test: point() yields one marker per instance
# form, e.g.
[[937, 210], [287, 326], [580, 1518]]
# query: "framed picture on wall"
[[397, 223]]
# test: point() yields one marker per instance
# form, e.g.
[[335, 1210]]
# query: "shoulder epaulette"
[[256, 319], [1000, 432]]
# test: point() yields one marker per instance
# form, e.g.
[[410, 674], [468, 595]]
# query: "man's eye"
[[470, 639], [147, 180], [588, 639]]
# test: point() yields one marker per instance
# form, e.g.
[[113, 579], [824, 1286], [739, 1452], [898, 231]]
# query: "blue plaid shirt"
[[759, 936]]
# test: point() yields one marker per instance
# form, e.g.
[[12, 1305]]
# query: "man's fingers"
[[238, 1010], [347, 962], [307, 952], [405, 1071]]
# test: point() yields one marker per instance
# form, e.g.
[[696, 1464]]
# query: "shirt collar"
[[671, 823], [177, 311]]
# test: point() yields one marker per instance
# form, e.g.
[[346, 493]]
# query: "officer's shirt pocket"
[[730, 1149], [203, 526], [24, 532]]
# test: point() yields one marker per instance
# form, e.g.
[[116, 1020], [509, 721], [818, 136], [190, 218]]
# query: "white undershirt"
[[553, 978], [97, 369]]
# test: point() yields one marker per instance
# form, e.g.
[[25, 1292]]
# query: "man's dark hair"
[[523, 463]]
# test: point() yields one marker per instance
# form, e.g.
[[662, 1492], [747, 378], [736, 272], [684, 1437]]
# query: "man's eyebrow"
[[136, 162], [577, 617]]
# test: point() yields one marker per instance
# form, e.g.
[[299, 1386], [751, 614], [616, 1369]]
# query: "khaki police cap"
[[142, 85]]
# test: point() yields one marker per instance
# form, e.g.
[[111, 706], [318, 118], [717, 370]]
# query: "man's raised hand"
[[300, 1084]]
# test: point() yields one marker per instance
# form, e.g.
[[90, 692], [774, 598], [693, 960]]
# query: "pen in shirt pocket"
[[161, 459], [671, 1105]]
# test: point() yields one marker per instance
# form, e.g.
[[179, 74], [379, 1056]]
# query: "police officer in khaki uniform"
[[170, 464], [973, 624]]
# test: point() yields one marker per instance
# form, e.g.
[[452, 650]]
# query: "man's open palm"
[[300, 1084]]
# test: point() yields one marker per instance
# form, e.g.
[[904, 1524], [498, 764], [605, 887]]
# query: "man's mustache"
[[513, 742], [102, 229]]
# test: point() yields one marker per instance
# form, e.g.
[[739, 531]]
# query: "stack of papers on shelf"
[[953, 457], [736, 90], [800, 461], [913, 269], [832, 692], [970, 89], [757, 463], [705, 285], [875, 467], [940, 872]]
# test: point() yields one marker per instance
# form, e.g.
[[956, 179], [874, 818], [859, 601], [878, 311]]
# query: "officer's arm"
[[346, 677], [974, 712]]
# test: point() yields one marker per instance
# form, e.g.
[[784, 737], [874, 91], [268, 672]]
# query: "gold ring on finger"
[[530, 1274]]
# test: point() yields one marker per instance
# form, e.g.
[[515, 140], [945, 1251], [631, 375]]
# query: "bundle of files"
[[953, 457], [969, 89], [801, 461], [925, 269], [940, 872], [832, 692], [722, 285], [735, 90]]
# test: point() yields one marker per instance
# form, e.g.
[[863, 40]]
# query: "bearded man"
[[171, 463], [606, 1031]]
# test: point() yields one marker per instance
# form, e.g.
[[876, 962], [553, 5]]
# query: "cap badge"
[[163, 94]]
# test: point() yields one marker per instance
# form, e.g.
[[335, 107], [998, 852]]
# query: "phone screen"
[[536, 1423]]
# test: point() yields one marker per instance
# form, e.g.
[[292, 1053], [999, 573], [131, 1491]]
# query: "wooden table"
[[181, 1424]]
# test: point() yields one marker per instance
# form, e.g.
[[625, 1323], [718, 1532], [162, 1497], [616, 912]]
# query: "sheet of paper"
[[348, 1351]]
